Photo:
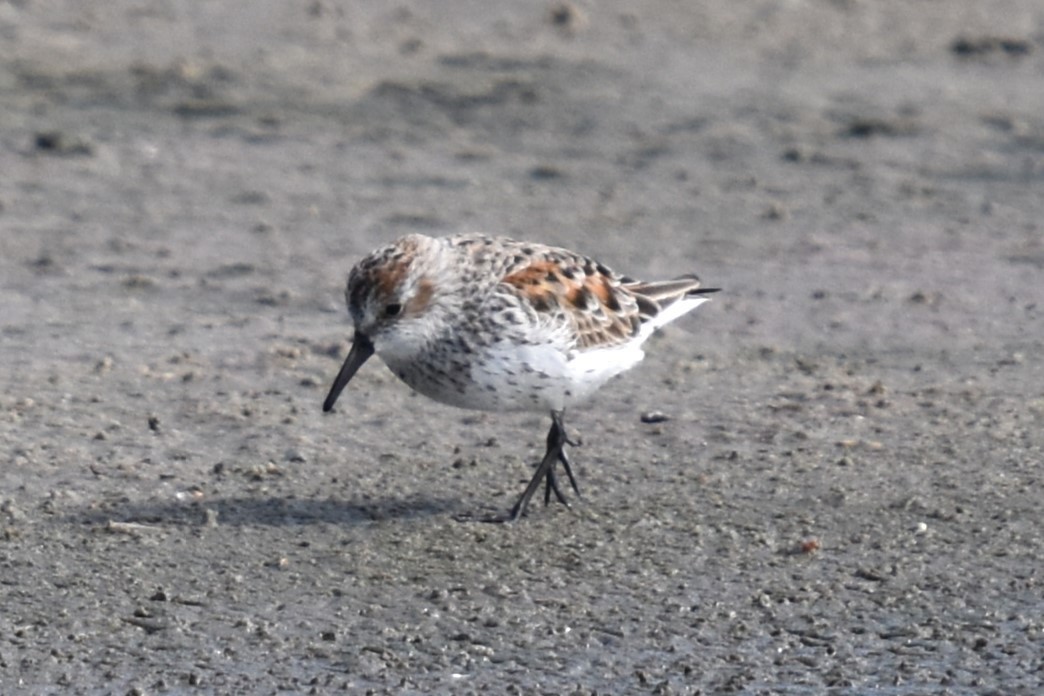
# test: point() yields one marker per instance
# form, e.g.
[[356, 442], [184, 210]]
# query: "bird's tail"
[[661, 302]]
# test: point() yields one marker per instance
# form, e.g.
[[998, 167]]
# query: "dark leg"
[[551, 484], [556, 442], [567, 465], [552, 477]]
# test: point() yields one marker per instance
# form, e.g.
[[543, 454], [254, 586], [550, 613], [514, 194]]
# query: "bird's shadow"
[[275, 512]]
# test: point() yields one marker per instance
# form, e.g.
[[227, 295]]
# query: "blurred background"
[[844, 494]]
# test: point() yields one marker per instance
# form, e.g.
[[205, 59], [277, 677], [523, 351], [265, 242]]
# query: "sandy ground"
[[846, 495]]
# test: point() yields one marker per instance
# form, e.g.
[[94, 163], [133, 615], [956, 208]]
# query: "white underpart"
[[590, 369], [546, 377], [520, 378], [679, 308]]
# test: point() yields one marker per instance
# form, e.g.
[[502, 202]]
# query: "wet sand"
[[845, 496]]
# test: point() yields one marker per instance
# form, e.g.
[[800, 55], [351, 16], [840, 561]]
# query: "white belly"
[[544, 378]]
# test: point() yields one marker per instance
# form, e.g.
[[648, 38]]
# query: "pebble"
[[654, 417]]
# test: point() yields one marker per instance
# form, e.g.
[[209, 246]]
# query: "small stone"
[[138, 281], [59, 143], [654, 417], [544, 172], [566, 17], [775, 211]]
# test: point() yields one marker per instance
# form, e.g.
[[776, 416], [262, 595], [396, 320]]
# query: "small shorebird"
[[493, 324]]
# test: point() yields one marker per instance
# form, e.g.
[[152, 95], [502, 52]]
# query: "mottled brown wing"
[[589, 295]]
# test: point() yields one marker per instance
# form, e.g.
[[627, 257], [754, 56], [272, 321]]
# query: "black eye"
[[393, 309]]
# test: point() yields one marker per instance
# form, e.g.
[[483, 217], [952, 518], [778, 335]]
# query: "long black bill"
[[362, 349]]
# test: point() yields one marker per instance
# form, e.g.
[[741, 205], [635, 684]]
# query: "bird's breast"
[[513, 377]]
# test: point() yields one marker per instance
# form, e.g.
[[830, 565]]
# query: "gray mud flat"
[[845, 496]]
